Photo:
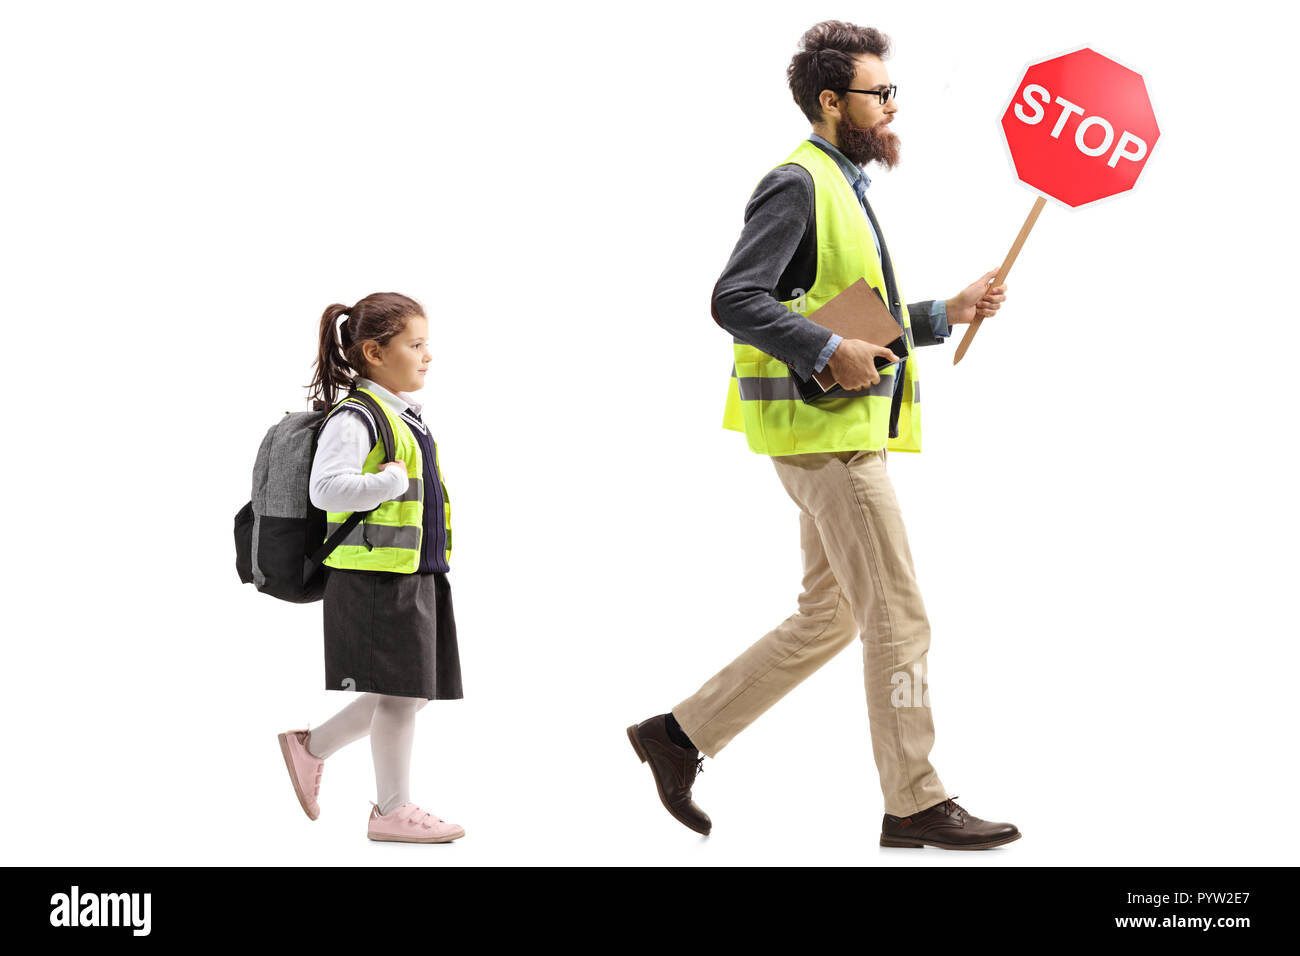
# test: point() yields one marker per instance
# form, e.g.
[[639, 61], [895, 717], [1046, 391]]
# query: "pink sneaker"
[[409, 824], [304, 769]]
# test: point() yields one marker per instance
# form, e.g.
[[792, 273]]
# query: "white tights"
[[390, 722]]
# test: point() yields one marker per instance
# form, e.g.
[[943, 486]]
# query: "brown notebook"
[[859, 312]]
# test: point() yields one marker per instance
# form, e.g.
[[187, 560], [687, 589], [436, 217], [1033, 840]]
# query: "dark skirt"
[[388, 633]]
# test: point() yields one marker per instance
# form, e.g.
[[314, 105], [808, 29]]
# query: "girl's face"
[[401, 365]]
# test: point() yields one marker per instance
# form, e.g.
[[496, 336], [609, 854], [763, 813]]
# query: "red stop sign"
[[1080, 127]]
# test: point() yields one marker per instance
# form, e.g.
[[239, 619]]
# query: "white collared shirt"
[[337, 482]]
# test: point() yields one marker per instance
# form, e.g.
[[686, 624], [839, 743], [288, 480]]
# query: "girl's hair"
[[378, 317], [825, 61]]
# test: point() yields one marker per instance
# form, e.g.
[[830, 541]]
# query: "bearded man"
[[809, 234]]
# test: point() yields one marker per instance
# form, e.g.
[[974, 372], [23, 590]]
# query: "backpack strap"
[[381, 421], [390, 451]]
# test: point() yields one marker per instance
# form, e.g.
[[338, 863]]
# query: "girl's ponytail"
[[334, 373], [339, 357]]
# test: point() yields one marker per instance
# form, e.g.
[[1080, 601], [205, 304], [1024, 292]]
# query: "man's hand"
[[977, 300], [852, 363]]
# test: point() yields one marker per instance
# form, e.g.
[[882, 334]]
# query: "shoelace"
[[950, 807]]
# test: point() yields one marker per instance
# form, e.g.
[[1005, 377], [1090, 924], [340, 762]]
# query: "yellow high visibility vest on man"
[[762, 398]]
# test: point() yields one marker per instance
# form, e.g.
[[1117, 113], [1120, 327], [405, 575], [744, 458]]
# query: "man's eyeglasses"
[[884, 95]]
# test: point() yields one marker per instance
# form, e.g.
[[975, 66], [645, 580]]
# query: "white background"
[[1102, 519]]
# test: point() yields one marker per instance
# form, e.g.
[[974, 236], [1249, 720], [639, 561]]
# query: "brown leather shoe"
[[674, 768], [948, 826]]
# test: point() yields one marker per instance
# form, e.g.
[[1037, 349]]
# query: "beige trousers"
[[858, 580]]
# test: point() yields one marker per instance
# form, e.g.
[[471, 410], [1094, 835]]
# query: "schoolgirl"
[[390, 634]]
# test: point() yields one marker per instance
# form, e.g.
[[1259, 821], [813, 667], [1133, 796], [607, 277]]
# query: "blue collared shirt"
[[938, 310]]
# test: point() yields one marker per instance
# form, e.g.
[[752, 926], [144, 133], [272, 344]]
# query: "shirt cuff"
[[831, 344], [399, 481], [939, 319]]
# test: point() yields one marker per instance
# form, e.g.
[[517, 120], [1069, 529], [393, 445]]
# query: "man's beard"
[[866, 144]]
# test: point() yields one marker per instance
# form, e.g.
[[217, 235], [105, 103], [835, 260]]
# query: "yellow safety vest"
[[389, 538], [762, 398]]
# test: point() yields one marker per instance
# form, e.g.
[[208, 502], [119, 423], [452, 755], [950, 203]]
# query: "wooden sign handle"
[[1001, 277]]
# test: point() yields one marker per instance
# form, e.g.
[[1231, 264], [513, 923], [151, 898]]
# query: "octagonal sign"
[[1080, 127]]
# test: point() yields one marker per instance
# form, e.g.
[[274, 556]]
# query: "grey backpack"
[[279, 533]]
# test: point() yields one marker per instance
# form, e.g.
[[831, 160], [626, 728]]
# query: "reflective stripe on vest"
[[414, 490], [379, 536], [762, 396], [387, 539]]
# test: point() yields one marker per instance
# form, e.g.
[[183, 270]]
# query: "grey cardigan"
[[777, 254]]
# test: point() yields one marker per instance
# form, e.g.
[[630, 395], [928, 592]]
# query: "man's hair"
[[825, 61]]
